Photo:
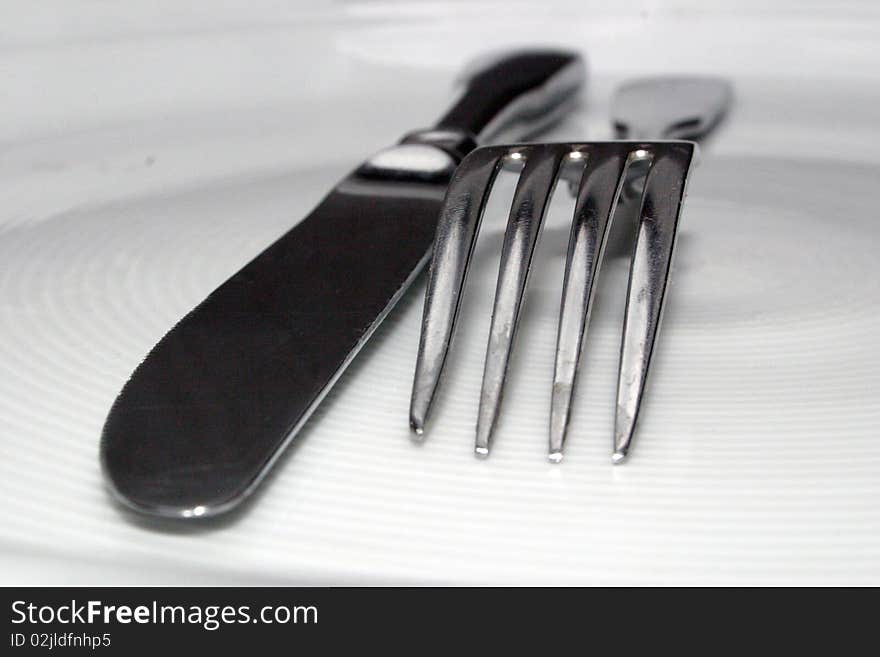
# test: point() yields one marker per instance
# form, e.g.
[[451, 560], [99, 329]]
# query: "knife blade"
[[202, 419]]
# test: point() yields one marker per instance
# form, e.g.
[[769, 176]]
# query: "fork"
[[604, 172]]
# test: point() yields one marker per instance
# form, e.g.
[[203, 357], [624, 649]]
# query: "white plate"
[[146, 155]]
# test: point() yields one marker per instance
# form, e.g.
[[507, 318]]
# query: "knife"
[[216, 401]]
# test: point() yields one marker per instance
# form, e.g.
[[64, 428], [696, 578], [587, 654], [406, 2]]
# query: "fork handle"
[[515, 95]]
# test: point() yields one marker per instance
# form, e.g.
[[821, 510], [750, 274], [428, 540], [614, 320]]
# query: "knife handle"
[[514, 95], [506, 98]]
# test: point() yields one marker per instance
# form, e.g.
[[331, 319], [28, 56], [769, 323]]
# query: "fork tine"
[[600, 188], [457, 229], [530, 202], [649, 274]]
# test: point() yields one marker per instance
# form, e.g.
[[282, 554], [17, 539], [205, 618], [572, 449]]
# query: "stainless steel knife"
[[216, 401]]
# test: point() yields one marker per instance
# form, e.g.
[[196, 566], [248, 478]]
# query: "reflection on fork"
[[602, 172]]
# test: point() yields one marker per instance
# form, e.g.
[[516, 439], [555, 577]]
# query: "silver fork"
[[602, 177]]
